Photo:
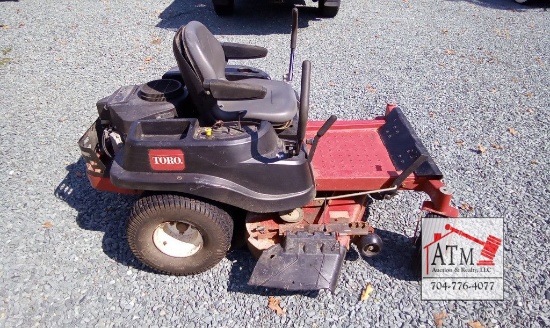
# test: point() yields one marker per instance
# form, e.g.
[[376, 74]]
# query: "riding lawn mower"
[[210, 143]]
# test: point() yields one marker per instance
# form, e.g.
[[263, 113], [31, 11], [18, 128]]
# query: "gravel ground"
[[464, 72]]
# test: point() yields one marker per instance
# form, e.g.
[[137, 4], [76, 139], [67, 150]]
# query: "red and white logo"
[[166, 159]]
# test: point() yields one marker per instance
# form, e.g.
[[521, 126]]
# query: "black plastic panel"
[[247, 168], [302, 262], [404, 146]]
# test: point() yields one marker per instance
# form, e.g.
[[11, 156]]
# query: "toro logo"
[[166, 159]]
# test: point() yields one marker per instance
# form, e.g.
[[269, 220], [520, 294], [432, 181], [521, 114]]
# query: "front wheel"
[[177, 235]]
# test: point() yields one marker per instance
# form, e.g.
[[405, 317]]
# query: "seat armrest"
[[242, 51], [229, 90]]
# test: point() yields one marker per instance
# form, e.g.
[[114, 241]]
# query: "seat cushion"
[[278, 106]]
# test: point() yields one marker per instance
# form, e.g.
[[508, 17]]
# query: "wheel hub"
[[177, 239]]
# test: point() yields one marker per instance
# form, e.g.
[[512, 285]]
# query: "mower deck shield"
[[302, 262]]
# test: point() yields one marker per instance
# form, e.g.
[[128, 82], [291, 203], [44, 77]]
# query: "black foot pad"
[[302, 262]]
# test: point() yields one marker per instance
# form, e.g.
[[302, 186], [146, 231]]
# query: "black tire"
[[328, 11], [154, 211], [224, 9]]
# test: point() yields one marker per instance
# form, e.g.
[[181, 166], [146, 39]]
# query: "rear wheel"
[[224, 8], [174, 234], [329, 9]]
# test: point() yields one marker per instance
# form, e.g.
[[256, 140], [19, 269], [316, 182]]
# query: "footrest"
[[404, 146], [302, 262]]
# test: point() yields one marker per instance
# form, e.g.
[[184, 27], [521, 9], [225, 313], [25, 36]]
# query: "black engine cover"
[[157, 99]]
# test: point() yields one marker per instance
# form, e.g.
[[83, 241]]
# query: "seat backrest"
[[204, 51], [199, 59]]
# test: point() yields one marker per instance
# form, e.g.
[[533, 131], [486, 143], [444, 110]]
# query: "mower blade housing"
[[303, 261]]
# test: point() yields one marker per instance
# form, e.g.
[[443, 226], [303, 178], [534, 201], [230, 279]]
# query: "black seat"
[[202, 60]]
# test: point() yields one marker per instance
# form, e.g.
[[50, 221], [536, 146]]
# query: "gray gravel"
[[461, 70]]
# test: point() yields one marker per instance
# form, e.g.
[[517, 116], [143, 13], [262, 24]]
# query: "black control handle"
[[304, 105], [294, 35], [326, 126], [328, 123]]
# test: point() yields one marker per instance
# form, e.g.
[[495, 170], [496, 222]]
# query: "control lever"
[[313, 142], [288, 76]]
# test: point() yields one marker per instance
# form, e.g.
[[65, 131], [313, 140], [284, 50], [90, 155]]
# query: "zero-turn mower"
[[209, 141]]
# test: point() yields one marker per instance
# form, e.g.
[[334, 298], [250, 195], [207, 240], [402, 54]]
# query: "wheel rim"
[[177, 239]]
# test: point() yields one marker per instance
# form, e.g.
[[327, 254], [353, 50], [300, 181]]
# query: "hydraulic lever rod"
[[290, 75]]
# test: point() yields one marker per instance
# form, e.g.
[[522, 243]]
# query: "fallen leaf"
[[466, 207], [444, 31], [481, 149], [274, 304], [371, 89], [155, 41], [534, 162], [331, 83], [148, 59], [47, 225], [475, 324], [496, 146], [432, 114], [459, 142], [530, 110], [539, 61], [366, 292], [451, 129], [450, 52], [4, 26], [513, 131], [503, 32], [439, 317], [529, 94], [61, 119]]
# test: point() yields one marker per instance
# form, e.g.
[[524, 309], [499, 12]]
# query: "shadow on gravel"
[[254, 17], [396, 257], [509, 4], [99, 211]]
